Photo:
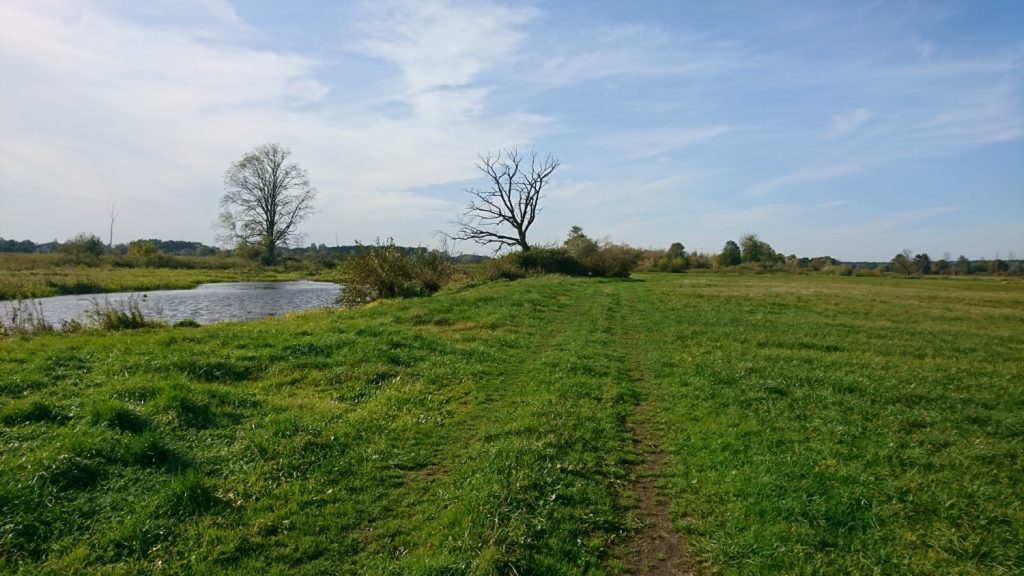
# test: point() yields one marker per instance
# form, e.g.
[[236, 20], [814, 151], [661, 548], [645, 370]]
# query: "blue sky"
[[852, 129]]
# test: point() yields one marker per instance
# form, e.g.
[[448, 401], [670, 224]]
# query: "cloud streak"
[[149, 118], [671, 118], [849, 122]]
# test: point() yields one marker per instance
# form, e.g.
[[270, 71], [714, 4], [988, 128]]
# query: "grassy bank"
[[41, 275], [810, 425]]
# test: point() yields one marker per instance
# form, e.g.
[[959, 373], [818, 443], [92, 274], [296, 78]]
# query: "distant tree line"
[[89, 243], [907, 263], [749, 253]]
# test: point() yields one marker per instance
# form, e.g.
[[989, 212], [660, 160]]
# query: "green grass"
[[41, 275], [810, 425]]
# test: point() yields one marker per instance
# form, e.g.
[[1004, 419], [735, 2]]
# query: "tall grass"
[[811, 425], [126, 315], [22, 317]]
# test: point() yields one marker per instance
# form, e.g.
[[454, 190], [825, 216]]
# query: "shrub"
[[613, 260], [384, 270], [838, 270], [432, 269], [144, 253], [127, 316], [549, 261], [83, 249], [608, 260], [502, 269]]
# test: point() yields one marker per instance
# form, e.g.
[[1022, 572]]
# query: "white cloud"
[[99, 109], [629, 50], [439, 44], [845, 123], [832, 204], [805, 175], [645, 144]]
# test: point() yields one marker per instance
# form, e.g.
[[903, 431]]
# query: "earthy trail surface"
[[658, 549]]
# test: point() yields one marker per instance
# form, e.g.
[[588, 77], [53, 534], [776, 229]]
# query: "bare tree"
[[114, 213], [502, 213], [265, 200]]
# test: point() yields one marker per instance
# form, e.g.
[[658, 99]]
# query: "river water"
[[207, 303]]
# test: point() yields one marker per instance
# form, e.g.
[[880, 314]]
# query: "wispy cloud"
[[806, 175], [832, 204], [666, 119], [100, 109], [848, 122], [635, 145], [438, 44], [631, 51]]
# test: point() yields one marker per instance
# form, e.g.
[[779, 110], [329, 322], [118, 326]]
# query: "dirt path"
[[658, 549]]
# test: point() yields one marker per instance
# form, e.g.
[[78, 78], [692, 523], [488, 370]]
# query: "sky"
[[849, 129]]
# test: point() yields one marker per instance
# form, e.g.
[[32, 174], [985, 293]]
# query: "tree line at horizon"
[[267, 197], [748, 252]]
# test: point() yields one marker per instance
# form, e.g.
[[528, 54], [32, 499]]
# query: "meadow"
[[40, 275], [807, 425]]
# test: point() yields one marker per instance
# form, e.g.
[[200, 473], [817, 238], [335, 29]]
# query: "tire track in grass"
[[657, 549]]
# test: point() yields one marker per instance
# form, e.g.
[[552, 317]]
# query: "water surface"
[[207, 303]]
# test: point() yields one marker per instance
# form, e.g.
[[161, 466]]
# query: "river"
[[207, 303]]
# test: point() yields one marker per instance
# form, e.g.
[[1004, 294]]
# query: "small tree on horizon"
[[903, 263], [731, 255], [923, 263], [579, 245], [265, 199]]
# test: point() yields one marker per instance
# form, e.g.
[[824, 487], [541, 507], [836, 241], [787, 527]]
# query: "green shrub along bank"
[[384, 270], [810, 424]]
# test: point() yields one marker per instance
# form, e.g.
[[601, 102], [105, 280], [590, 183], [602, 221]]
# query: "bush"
[[432, 270], [502, 269], [385, 270], [549, 261], [127, 316], [144, 253], [613, 261], [608, 260], [83, 249]]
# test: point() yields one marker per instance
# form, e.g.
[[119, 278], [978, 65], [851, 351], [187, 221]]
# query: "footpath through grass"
[[852, 425], [810, 425]]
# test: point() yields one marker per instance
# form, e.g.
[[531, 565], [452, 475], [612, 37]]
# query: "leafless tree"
[[502, 213], [265, 200], [114, 213]]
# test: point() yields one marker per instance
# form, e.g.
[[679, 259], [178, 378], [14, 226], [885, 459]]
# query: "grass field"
[[809, 425], [41, 275]]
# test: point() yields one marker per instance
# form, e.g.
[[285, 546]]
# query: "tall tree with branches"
[[501, 213], [265, 199]]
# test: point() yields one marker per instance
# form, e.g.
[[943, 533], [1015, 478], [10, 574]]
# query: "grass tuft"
[[116, 415], [28, 411]]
